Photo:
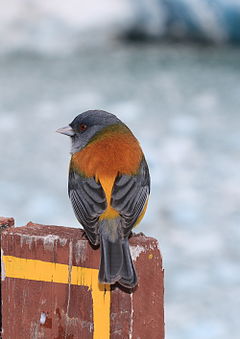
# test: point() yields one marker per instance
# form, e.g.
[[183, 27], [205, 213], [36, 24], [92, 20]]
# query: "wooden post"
[[4, 224], [50, 288]]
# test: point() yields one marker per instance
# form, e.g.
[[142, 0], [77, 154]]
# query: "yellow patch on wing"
[[142, 214]]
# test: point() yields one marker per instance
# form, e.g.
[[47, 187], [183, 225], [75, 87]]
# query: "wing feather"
[[130, 194], [89, 202]]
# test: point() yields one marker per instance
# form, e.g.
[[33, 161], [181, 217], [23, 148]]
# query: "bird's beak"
[[66, 130]]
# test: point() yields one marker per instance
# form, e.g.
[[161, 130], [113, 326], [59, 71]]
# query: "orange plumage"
[[114, 152]]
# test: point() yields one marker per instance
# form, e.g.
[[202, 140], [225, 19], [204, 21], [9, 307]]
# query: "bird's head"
[[86, 126]]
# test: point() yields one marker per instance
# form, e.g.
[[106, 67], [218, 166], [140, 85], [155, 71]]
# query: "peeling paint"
[[35, 331], [43, 301], [3, 274], [74, 321], [136, 251], [48, 240], [87, 324], [131, 317], [62, 241], [158, 248], [70, 258], [80, 251], [26, 239]]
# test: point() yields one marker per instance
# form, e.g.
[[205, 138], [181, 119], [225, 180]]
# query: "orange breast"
[[104, 159]]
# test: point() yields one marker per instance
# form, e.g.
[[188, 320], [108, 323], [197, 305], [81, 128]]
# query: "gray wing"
[[130, 194], [89, 202]]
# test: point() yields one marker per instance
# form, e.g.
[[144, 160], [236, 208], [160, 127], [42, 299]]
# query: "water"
[[182, 102]]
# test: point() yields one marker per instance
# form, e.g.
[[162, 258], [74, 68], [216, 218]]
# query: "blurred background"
[[170, 69]]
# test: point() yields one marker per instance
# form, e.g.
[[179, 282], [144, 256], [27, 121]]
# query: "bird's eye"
[[83, 127]]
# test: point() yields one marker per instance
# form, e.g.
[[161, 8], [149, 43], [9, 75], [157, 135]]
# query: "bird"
[[109, 187]]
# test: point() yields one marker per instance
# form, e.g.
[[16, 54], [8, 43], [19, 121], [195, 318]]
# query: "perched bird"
[[109, 186]]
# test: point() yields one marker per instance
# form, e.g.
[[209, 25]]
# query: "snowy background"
[[182, 102]]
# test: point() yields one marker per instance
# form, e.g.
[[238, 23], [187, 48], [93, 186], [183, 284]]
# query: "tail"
[[116, 262]]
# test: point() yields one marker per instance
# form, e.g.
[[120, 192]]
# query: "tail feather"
[[111, 261], [116, 262], [128, 273]]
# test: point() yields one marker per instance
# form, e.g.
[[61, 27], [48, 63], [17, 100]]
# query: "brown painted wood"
[[136, 314], [4, 224]]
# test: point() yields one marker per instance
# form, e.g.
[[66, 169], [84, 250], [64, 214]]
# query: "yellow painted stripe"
[[38, 270]]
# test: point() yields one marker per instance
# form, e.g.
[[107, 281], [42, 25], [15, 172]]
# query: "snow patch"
[[136, 251]]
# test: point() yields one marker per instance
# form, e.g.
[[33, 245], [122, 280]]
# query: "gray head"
[[85, 126]]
